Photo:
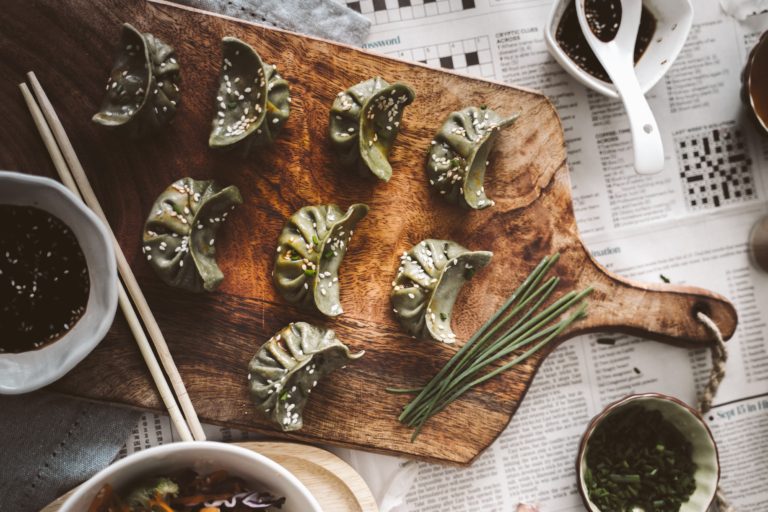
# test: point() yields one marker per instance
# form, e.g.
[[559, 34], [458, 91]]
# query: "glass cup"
[[754, 84]]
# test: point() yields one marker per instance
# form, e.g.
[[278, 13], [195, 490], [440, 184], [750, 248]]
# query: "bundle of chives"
[[525, 322]]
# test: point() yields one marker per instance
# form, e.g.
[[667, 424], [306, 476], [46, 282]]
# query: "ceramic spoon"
[[617, 57]]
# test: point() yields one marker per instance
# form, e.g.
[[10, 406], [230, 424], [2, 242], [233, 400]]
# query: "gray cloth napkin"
[[321, 18], [50, 443]]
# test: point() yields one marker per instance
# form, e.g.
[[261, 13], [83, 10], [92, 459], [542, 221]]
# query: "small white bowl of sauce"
[[58, 282], [664, 27]]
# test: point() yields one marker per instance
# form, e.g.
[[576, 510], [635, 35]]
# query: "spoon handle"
[[646, 139]]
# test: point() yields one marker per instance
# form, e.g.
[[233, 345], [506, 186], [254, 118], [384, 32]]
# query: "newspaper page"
[[689, 224]]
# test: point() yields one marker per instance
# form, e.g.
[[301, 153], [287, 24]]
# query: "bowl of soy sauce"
[[58, 281], [754, 84], [664, 28]]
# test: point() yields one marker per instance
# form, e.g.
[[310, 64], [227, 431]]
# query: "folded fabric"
[[742, 9], [50, 443], [321, 18]]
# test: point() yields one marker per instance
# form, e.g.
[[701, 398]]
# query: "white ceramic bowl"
[[202, 456], [689, 423], [27, 371], [674, 19]]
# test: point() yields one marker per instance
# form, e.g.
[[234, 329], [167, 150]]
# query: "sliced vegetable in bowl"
[[193, 476], [186, 491]]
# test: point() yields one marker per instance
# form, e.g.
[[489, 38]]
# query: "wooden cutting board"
[[70, 45], [333, 482]]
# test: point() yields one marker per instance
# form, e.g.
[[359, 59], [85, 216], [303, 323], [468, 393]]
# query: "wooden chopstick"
[[72, 174], [125, 304], [132, 285]]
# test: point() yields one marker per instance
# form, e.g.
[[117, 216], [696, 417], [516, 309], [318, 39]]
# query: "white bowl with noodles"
[[259, 472], [26, 371]]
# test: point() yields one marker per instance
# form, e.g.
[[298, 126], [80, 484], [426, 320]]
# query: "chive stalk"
[[544, 265], [638, 460], [522, 321]]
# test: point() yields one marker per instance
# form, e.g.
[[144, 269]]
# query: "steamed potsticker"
[[180, 233], [365, 120], [252, 103], [142, 92], [427, 283], [457, 157], [287, 368], [310, 250]]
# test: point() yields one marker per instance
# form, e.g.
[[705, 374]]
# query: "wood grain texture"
[[69, 44], [333, 482]]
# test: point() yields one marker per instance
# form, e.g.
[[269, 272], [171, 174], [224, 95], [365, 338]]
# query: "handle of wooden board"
[[662, 312]]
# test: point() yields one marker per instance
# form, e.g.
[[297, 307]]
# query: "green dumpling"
[[310, 250], [143, 87], [180, 233], [253, 101], [287, 368], [365, 120], [427, 283], [459, 152]]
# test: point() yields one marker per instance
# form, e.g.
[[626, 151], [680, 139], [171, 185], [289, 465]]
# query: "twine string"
[[716, 375]]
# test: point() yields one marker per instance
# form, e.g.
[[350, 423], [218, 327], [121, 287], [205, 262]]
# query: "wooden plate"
[[334, 483], [70, 45]]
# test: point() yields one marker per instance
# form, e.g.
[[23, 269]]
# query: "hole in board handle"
[[647, 128], [701, 307]]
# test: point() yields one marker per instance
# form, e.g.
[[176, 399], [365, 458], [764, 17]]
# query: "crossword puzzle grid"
[[715, 168], [471, 56], [384, 11]]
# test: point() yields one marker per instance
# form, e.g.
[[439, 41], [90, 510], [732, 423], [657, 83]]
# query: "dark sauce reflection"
[[604, 17], [44, 283], [755, 83]]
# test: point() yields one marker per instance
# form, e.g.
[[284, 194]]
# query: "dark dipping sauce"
[[44, 283], [757, 79], [604, 18]]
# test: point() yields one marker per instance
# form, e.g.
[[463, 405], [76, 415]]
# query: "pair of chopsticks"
[[73, 176]]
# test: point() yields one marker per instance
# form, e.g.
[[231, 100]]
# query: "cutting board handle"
[[662, 312]]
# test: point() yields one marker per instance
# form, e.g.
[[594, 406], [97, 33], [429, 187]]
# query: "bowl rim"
[[39, 374], [595, 421], [597, 85], [760, 45], [204, 448]]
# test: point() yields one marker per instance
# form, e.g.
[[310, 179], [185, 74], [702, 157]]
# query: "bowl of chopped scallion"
[[648, 453]]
